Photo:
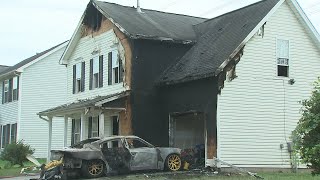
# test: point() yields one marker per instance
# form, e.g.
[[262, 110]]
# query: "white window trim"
[[276, 57], [114, 67], [95, 57]]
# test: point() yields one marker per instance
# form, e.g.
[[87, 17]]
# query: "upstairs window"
[[115, 69], [15, 89], [283, 58], [78, 77], [10, 90], [96, 72]]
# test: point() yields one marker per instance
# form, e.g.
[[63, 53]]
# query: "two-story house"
[[26, 88], [231, 83]]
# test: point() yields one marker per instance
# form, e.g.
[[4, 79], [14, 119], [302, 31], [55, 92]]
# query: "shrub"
[[306, 136], [15, 153]]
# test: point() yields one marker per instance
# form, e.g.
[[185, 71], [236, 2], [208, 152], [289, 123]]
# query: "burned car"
[[95, 157]]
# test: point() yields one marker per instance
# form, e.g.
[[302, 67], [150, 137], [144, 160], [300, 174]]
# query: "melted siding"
[[257, 111]]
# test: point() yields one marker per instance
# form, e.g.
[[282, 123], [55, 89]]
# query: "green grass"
[[190, 176], [14, 170]]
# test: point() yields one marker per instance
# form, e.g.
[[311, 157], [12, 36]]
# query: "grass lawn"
[[15, 170], [266, 176]]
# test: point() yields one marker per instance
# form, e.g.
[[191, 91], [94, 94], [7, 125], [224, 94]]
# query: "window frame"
[[115, 67], [15, 81], [6, 92], [75, 134], [79, 83], [288, 65]]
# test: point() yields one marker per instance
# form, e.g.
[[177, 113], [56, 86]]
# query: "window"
[[6, 91], [15, 89], [283, 58], [115, 69], [13, 134], [136, 143], [96, 72], [93, 127], [78, 77], [76, 131], [8, 134], [10, 90]]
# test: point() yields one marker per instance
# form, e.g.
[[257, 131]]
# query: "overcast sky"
[[31, 26]]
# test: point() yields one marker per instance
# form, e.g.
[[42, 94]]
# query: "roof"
[[151, 24], [28, 60], [2, 68], [218, 39], [85, 103]]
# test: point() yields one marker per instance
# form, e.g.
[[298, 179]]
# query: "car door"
[[144, 156]]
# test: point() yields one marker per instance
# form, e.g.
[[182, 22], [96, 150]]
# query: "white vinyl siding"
[[83, 52], [257, 111], [43, 86]]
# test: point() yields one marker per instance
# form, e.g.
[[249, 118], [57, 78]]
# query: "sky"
[[31, 26]]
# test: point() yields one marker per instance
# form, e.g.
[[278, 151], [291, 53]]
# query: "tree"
[[306, 136], [15, 153]]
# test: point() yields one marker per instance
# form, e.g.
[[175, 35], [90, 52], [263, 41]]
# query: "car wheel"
[[173, 162], [93, 168]]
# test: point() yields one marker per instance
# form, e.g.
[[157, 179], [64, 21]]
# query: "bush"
[[306, 136], [15, 153]]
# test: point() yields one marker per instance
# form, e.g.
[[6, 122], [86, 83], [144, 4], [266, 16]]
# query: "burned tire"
[[173, 162], [93, 168]]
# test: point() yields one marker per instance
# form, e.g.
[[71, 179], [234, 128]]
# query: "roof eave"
[[306, 21]]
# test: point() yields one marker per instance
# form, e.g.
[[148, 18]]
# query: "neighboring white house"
[[259, 109], [33, 85]]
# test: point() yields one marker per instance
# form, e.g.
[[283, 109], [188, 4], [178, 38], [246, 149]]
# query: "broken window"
[[76, 131], [96, 72], [283, 58], [93, 127], [78, 77], [136, 143]]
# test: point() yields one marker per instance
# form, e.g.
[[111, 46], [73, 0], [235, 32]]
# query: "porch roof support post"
[[50, 138], [65, 140], [101, 124], [83, 127]]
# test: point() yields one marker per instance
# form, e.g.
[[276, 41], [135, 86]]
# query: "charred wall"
[[150, 59], [194, 96]]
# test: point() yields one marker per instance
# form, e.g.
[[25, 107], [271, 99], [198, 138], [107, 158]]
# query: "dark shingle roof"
[[218, 38], [151, 24], [26, 61], [2, 68]]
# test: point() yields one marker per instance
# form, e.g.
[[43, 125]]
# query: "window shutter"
[[99, 126], [110, 68], [72, 131], [10, 90], [0, 136], [91, 74], [121, 70], [74, 79], [101, 71], [90, 128], [3, 92], [18, 87], [83, 76]]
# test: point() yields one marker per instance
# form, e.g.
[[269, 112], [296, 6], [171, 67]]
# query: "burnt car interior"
[[116, 154]]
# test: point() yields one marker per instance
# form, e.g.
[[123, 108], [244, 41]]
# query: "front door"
[[144, 155]]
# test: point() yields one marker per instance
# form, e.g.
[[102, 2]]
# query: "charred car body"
[[95, 157]]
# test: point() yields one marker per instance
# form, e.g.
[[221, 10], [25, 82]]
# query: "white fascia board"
[[72, 42], [251, 34], [305, 20], [20, 69]]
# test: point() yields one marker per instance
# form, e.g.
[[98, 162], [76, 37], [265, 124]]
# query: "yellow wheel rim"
[[174, 162], [95, 168]]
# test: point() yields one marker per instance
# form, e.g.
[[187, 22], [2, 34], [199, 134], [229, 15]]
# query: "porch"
[[97, 117]]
